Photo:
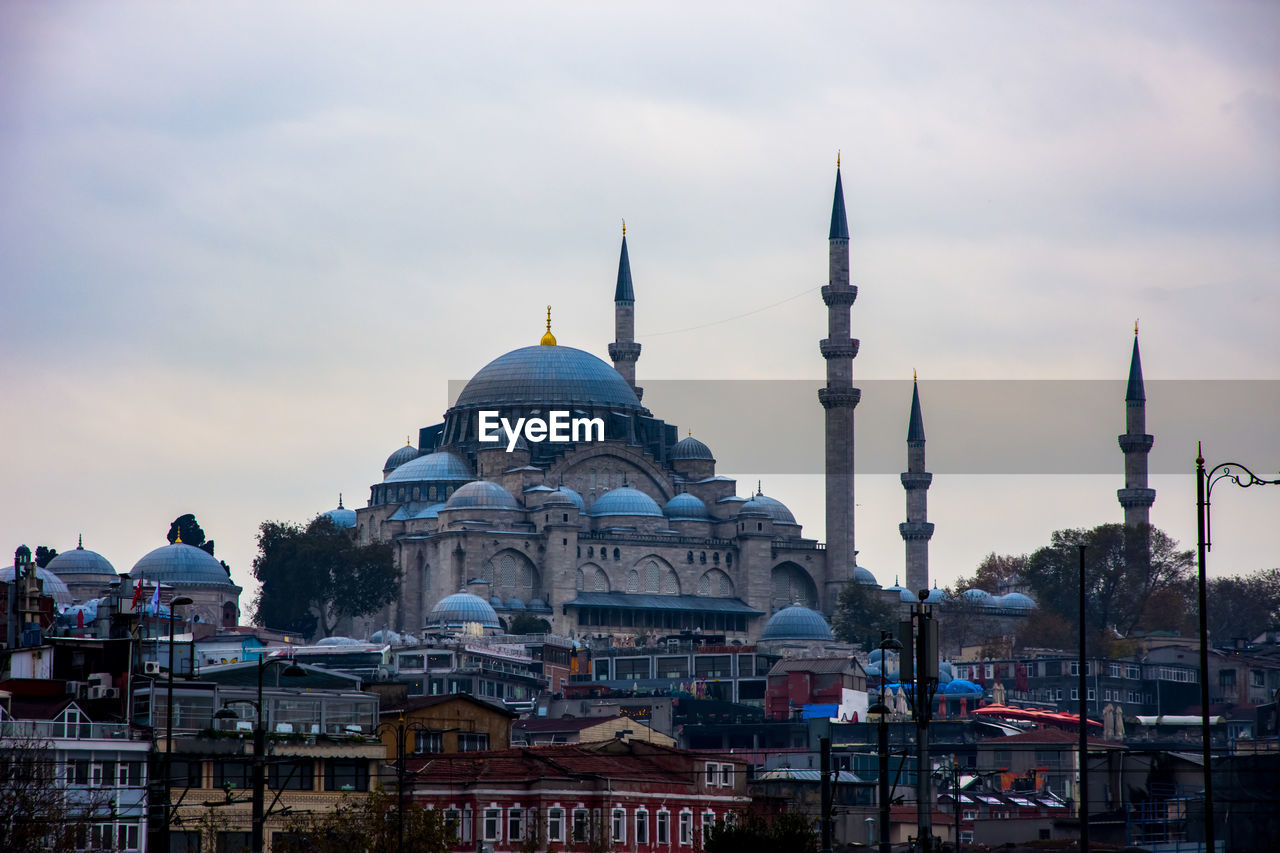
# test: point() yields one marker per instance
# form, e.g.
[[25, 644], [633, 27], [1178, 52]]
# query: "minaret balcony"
[[839, 398], [839, 294], [1136, 497], [847, 348], [1136, 443], [916, 530], [624, 351], [912, 480]]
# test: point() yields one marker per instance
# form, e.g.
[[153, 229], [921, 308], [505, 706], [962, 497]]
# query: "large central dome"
[[547, 376]]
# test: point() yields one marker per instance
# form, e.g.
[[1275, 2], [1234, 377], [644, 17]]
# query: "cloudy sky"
[[244, 247]]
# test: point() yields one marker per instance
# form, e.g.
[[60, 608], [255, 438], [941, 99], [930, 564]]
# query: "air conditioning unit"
[[100, 679], [77, 688], [151, 667], [104, 693]]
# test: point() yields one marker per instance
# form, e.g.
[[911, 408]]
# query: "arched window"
[[704, 584], [616, 554], [689, 557], [508, 571], [652, 578], [601, 581], [670, 583], [633, 581], [702, 557], [581, 582]]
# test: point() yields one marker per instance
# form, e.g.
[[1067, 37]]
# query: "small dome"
[[514, 604], [864, 576], [796, 622], [340, 641], [408, 453], [441, 466], [977, 596], [907, 595], [341, 517], [481, 494], [177, 563], [53, 585], [1014, 600], [538, 604], [686, 507], [462, 608], [566, 495], [772, 507], [937, 596], [625, 501], [691, 448], [495, 602], [82, 563]]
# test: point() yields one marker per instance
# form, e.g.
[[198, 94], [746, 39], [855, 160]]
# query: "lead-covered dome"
[[625, 501], [796, 622], [401, 455], [771, 507], [82, 565], [545, 377], [691, 448], [454, 612], [1015, 600], [481, 494], [177, 563], [341, 516], [686, 507], [566, 495], [53, 585], [864, 576], [438, 467]]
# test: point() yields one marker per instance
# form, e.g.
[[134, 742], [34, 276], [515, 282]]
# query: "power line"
[[734, 317]]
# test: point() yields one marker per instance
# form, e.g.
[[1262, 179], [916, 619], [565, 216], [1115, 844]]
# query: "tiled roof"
[[571, 724], [419, 702], [820, 665]]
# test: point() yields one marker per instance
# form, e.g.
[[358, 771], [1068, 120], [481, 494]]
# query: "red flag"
[[80, 618], [137, 594]]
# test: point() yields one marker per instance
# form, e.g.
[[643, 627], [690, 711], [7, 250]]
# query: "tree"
[[1119, 592], [753, 832], [527, 623], [995, 573], [318, 575], [1243, 605], [861, 614], [36, 813], [45, 554], [192, 534], [367, 824]]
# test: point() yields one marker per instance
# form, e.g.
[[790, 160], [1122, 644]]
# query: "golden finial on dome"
[[1135, 328], [624, 228], [690, 434], [837, 158], [548, 340], [914, 376], [177, 538]]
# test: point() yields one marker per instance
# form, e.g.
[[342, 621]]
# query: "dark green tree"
[[860, 615], [317, 575], [366, 824], [192, 534], [527, 623], [1243, 605], [1119, 592], [754, 832], [44, 554]]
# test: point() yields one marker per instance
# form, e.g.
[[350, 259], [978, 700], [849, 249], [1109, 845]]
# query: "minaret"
[[839, 398], [916, 530], [1135, 497], [624, 350]]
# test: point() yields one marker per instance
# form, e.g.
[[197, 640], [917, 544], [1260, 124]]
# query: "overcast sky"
[[244, 247]]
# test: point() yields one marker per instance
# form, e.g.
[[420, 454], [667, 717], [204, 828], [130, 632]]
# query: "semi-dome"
[[400, 456], [686, 507], [178, 563], [481, 494], [82, 564], [439, 467], [341, 517], [625, 501], [548, 377], [1015, 600], [53, 585], [771, 507], [864, 576], [691, 448], [453, 612], [796, 622], [566, 495]]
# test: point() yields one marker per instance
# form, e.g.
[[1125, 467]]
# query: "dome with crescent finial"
[[548, 377], [82, 565], [341, 516], [686, 507], [400, 456], [481, 494], [178, 563], [625, 501], [438, 467], [690, 448], [455, 612]]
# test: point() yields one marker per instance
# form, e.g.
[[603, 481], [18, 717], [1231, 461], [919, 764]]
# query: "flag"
[[137, 594], [155, 600], [80, 618]]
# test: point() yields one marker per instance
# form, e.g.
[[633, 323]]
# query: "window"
[[291, 776], [970, 814], [642, 826], [555, 824], [78, 772], [1075, 694], [515, 824], [708, 824], [1257, 678], [493, 824], [428, 742], [232, 774], [686, 827], [1227, 678], [346, 775], [233, 842], [1133, 672], [472, 742], [131, 774], [713, 774], [466, 823], [1074, 667], [452, 821], [618, 826], [581, 825], [726, 775], [664, 827], [1059, 694], [1113, 670], [1090, 696]]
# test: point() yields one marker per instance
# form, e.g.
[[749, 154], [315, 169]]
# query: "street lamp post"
[[887, 644], [177, 601], [259, 746], [400, 730], [1205, 481]]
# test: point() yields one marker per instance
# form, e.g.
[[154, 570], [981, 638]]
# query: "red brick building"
[[631, 795]]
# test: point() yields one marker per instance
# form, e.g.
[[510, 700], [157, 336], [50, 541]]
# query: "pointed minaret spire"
[[1136, 497], [838, 399], [624, 350], [917, 530]]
